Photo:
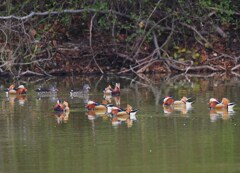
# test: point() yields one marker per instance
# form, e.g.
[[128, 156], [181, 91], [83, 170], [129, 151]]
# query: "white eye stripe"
[[165, 99]]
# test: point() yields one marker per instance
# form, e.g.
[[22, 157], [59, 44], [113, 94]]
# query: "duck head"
[[129, 109], [184, 99], [108, 90], [11, 87], [225, 102], [86, 88], [91, 105], [115, 110], [212, 103], [21, 89], [167, 101]]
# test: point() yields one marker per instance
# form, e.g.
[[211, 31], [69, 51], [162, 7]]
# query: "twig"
[[195, 30], [31, 73]]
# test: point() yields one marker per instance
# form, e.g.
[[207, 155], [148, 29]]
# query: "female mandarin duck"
[[80, 93], [46, 91], [99, 109], [109, 91], [225, 104], [16, 90], [62, 106]]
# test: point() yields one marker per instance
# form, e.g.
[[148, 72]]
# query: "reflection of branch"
[[96, 85]]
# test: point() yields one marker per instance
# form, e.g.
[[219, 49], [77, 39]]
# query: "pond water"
[[35, 139]]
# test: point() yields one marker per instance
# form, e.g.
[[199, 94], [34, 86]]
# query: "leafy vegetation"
[[136, 34]]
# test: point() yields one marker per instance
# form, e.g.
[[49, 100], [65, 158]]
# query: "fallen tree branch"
[[46, 13], [30, 73], [195, 30], [236, 67]]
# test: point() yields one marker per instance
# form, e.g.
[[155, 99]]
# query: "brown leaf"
[[33, 32]]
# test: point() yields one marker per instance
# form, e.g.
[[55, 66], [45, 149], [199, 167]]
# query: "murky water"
[[35, 139]]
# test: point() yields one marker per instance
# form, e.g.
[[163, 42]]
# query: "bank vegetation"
[[148, 36]]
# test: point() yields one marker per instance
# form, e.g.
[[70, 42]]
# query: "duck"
[[114, 92], [80, 93], [122, 114], [100, 109], [20, 90], [169, 101], [61, 106], [107, 90], [224, 104], [46, 91]]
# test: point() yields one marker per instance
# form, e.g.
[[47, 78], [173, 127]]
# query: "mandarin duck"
[[122, 114], [224, 104], [169, 101], [99, 109], [16, 90], [61, 106], [114, 92], [80, 93]]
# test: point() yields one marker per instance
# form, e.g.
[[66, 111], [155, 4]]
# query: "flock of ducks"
[[217, 108], [115, 112], [185, 102]]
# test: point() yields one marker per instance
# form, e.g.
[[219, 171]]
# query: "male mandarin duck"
[[62, 106], [109, 91], [225, 104], [99, 109], [16, 90], [123, 115], [80, 93], [116, 90], [169, 101]]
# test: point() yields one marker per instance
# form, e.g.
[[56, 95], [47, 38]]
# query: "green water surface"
[[32, 139]]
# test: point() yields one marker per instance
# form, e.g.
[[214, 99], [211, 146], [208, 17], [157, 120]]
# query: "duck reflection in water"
[[107, 99], [91, 114], [20, 98], [220, 114], [62, 117]]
